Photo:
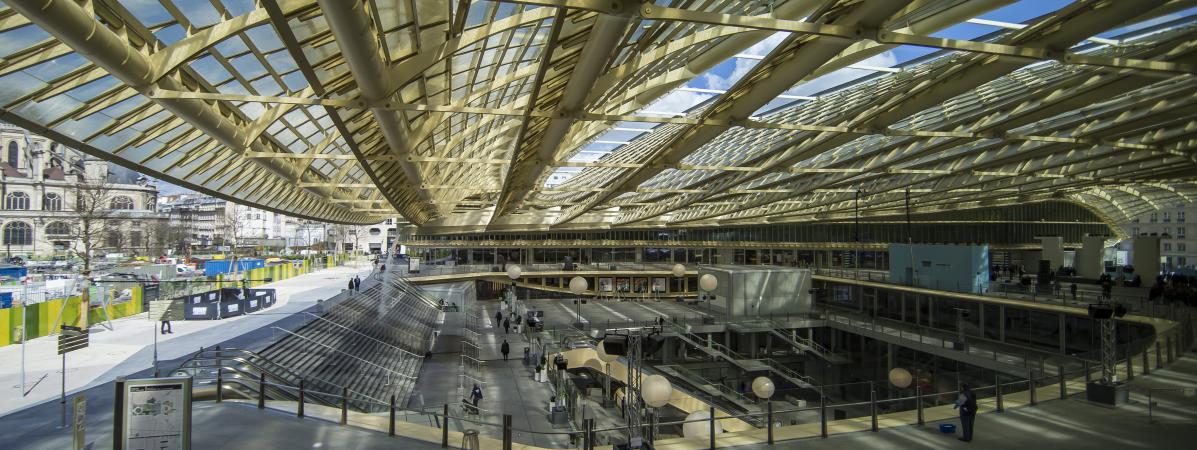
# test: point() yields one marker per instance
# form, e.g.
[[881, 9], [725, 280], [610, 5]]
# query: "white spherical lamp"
[[656, 391], [900, 377], [679, 270], [763, 387], [696, 425], [602, 353], [514, 271], [708, 282], [578, 285]]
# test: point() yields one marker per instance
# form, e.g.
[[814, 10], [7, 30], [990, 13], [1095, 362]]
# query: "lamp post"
[[763, 388], [514, 271], [708, 283], [578, 286], [656, 392]]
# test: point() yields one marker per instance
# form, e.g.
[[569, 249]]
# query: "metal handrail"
[[409, 354], [345, 353]]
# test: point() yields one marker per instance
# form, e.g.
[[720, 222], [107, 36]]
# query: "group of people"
[[355, 285], [506, 322]]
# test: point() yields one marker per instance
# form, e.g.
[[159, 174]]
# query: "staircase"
[[807, 345], [682, 376], [372, 343], [746, 364]]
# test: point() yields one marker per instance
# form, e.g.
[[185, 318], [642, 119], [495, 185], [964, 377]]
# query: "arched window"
[[14, 154], [58, 229], [18, 233], [16, 201], [122, 202], [52, 202]]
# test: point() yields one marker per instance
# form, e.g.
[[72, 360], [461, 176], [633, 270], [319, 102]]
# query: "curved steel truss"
[[454, 113]]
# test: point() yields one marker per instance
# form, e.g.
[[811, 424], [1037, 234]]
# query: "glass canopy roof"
[[465, 115]]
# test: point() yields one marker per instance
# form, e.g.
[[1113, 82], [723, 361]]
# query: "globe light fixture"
[[696, 425], [900, 378], [514, 271], [763, 387], [656, 391], [708, 282], [679, 270], [578, 285]]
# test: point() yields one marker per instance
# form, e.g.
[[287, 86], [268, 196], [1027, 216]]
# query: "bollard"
[[299, 407], [445, 428], [1146, 369], [770, 408], [918, 404], [219, 385], [1063, 386], [506, 431], [391, 423], [1031, 383], [997, 390], [873, 407], [344, 405], [823, 415], [261, 391]]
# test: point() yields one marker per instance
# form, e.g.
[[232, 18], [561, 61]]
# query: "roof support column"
[[353, 28], [592, 62]]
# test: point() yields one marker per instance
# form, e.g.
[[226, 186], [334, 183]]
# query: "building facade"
[[41, 184], [1172, 223]]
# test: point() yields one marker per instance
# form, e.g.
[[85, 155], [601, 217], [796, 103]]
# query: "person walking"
[[351, 287], [357, 284], [506, 326], [498, 317], [165, 328], [505, 348], [966, 402], [1073, 290], [476, 395]]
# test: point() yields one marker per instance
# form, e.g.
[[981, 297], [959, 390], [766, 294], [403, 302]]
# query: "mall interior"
[[669, 224]]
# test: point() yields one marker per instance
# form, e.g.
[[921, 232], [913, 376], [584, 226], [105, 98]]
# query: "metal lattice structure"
[[453, 114]]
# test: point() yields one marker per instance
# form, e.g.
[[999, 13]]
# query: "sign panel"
[[71, 339], [156, 414], [413, 264]]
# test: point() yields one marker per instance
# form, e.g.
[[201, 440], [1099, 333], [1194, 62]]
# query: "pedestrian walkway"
[[1058, 425], [129, 346]]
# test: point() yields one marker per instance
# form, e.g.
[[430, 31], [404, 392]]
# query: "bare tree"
[[93, 207], [156, 237], [232, 227]]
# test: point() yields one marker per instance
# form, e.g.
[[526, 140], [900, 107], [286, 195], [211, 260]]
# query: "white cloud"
[[743, 65]]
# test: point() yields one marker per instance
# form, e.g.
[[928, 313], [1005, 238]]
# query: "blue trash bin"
[[947, 428]]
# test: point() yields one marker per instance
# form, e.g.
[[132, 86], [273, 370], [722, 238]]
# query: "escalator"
[[241, 371]]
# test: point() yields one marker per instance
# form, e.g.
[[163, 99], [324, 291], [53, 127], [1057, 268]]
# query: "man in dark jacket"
[[476, 395], [498, 318], [506, 325], [351, 287], [967, 404], [505, 348], [357, 284]]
